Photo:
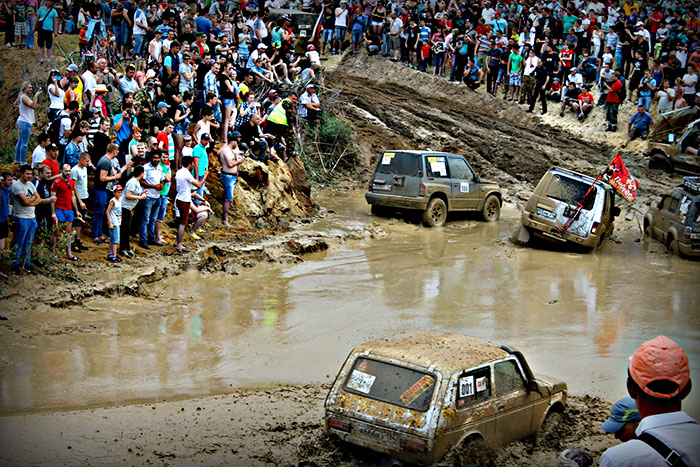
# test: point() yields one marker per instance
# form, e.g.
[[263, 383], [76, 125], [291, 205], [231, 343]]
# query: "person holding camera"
[[123, 122]]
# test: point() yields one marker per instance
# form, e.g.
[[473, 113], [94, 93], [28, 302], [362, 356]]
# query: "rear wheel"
[[672, 245], [475, 451], [659, 161], [378, 210], [435, 214], [492, 209]]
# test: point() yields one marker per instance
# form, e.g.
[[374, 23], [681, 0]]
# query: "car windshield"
[[570, 191], [391, 383], [399, 164]]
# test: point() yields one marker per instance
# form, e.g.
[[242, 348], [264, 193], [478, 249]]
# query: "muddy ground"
[[392, 107], [280, 426]]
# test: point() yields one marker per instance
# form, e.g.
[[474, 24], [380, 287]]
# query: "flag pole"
[[565, 227]]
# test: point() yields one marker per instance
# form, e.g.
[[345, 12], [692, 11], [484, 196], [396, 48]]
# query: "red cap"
[[660, 359]]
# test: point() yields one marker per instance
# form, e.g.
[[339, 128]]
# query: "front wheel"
[[435, 214], [492, 209]]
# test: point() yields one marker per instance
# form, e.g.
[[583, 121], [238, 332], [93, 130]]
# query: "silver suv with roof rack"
[[675, 219], [432, 182]]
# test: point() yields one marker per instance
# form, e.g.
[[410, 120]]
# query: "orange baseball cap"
[[660, 359]]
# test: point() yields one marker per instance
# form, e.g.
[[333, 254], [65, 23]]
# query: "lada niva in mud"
[[674, 142], [554, 201], [675, 220], [432, 182], [417, 394]]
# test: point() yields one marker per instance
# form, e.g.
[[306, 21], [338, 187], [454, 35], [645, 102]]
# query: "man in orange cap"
[[658, 379]]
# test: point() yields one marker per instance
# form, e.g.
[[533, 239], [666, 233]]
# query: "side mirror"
[[615, 211], [532, 386]]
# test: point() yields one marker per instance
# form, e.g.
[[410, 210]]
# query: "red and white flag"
[[621, 179]]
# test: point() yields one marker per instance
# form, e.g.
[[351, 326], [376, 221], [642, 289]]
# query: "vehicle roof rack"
[[692, 184]]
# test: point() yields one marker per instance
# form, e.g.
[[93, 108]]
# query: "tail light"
[[408, 445], [421, 190], [371, 184], [340, 425], [596, 226], [686, 233]]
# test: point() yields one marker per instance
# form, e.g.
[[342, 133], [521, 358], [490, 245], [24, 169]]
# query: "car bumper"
[[396, 201], [548, 232], [689, 249]]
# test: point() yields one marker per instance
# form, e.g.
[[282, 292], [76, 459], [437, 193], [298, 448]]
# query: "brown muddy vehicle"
[[304, 26], [555, 199], [417, 394], [670, 140], [675, 219], [432, 184]]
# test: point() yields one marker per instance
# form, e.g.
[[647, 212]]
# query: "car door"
[[669, 216], [465, 190], [659, 219], [515, 404], [472, 404]]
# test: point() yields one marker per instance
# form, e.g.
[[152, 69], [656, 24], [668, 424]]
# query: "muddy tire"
[[435, 214], [673, 246], [647, 228], [659, 161], [378, 210], [492, 209], [474, 451], [549, 434]]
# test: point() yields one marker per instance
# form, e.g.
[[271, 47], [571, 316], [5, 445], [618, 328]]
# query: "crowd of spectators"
[[197, 75], [128, 137]]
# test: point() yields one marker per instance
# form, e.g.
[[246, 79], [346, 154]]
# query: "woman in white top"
[[56, 94], [25, 120]]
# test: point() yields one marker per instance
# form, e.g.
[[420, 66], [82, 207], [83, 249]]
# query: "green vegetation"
[[326, 149]]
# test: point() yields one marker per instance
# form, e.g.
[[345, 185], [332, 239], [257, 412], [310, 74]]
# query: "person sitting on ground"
[[623, 420], [372, 42], [473, 75], [584, 104], [554, 91], [571, 96], [310, 105], [183, 201], [658, 379], [639, 125]]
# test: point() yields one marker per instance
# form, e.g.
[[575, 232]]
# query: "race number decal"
[[466, 386], [464, 187], [481, 384]]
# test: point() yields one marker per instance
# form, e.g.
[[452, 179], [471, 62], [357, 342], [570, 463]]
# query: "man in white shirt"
[[140, 28], [488, 13], [690, 79], [309, 104], [80, 175], [395, 26], [89, 83], [528, 77], [341, 26], [183, 200], [39, 153]]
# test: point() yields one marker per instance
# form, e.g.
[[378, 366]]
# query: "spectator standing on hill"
[[46, 27], [64, 210], [5, 194], [105, 178], [658, 379], [79, 175], [25, 121], [612, 101], [24, 200], [230, 157], [132, 194], [184, 181], [540, 90], [153, 182]]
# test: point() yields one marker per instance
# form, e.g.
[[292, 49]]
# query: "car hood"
[[549, 385]]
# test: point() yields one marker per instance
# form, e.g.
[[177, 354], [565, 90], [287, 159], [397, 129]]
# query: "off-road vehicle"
[[434, 183], [554, 201], [673, 140], [417, 394], [675, 219]]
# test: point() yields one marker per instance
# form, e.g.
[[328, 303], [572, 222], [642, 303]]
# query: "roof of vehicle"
[[447, 351], [581, 176], [424, 151]]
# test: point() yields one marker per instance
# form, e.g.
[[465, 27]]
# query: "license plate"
[[385, 437], [544, 213], [381, 187], [695, 236]]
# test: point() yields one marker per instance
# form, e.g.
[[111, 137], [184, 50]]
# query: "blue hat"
[[163, 105], [623, 411]]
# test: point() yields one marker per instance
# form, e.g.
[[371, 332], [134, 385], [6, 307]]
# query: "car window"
[[570, 191], [673, 206], [436, 166], [399, 163], [473, 386], [391, 383], [507, 377], [460, 170]]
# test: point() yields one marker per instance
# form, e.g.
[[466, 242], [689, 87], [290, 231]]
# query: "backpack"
[[53, 129]]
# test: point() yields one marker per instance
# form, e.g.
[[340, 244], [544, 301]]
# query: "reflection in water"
[[575, 316]]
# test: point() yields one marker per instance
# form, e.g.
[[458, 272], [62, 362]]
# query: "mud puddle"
[[575, 316]]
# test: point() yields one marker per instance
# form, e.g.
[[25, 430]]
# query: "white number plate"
[[381, 187], [385, 437], [544, 213]]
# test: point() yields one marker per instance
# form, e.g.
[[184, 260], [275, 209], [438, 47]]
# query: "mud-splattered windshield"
[[390, 383], [570, 191]]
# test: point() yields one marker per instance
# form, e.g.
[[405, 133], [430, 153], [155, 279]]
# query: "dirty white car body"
[[416, 394]]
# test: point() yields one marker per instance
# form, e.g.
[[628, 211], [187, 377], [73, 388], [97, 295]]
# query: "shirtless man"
[[230, 157]]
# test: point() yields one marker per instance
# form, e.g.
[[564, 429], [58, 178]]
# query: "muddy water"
[[575, 316]]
